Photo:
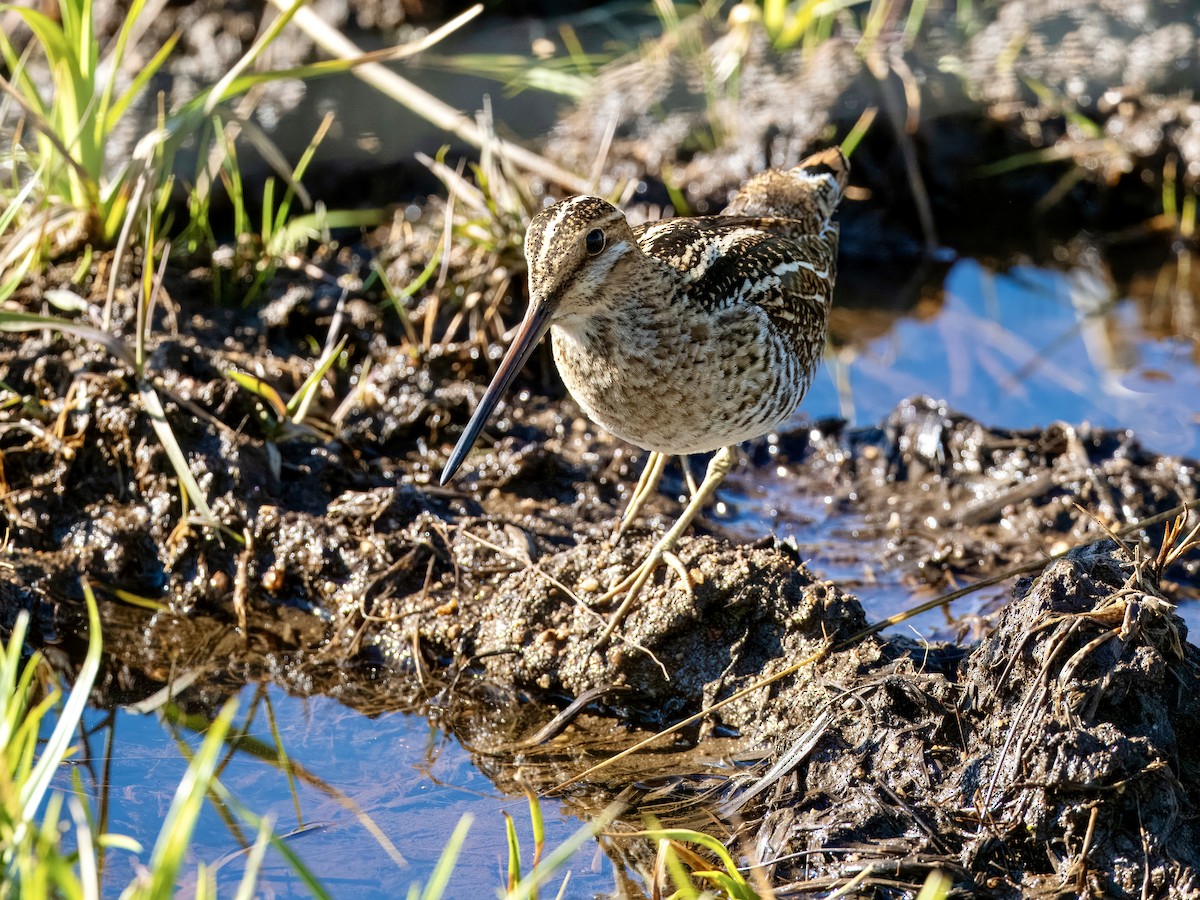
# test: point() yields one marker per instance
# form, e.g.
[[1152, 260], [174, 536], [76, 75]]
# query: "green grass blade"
[[684, 886], [13, 280], [205, 883], [89, 866], [558, 857], [120, 842], [937, 886], [583, 62], [914, 20], [537, 823], [13, 700], [397, 298], [23, 321], [108, 115], [859, 131], [138, 84], [8, 215], [167, 858], [254, 861], [344, 218], [517, 72], [260, 389], [315, 226], [221, 90], [298, 406], [1021, 161], [773, 15], [25, 86], [76, 17], [733, 886], [25, 738], [51, 144], [274, 227], [435, 888], [185, 121], [48, 32], [58, 745], [795, 29], [187, 482], [117, 56], [514, 853], [267, 229], [687, 836], [137, 600]]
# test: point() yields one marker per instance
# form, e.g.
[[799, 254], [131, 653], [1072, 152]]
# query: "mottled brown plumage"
[[685, 335]]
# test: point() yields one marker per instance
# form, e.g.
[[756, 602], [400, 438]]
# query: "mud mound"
[[1023, 768], [1055, 756], [1081, 716], [750, 609]]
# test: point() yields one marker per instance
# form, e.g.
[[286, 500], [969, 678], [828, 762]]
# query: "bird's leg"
[[647, 484], [685, 464], [632, 584]]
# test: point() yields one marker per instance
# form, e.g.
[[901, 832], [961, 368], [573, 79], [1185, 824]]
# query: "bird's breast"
[[679, 379]]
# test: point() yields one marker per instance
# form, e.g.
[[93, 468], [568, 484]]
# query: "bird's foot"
[[630, 587]]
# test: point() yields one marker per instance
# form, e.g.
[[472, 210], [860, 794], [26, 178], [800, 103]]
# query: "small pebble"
[[272, 579]]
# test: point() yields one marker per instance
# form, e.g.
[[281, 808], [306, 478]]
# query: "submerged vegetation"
[[222, 400], [45, 857]]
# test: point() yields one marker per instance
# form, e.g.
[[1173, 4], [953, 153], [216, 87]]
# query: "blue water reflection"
[[1022, 349], [1017, 349], [352, 773]]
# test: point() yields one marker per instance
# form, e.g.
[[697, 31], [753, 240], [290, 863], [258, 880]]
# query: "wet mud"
[[1067, 727], [1052, 753]]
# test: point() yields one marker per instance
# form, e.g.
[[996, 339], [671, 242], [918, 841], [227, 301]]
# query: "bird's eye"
[[594, 241]]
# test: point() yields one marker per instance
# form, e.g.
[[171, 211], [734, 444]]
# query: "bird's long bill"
[[535, 324]]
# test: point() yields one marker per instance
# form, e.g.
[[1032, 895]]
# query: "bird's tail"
[[808, 193]]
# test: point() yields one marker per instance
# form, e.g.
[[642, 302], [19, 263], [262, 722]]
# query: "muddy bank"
[[1057, 754], [345, 571], [1054, 756]]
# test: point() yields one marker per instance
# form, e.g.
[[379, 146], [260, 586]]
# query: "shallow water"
[[351, 774], [1022, 349], [1016, 349]]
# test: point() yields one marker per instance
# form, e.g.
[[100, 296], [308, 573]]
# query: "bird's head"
[[574, 250]]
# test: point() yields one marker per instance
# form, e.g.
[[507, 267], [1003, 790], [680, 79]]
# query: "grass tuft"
[[34, 835]]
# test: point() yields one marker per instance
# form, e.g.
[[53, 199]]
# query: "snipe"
[[686, 335]]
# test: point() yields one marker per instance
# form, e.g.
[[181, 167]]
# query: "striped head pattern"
[[573, 249]]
